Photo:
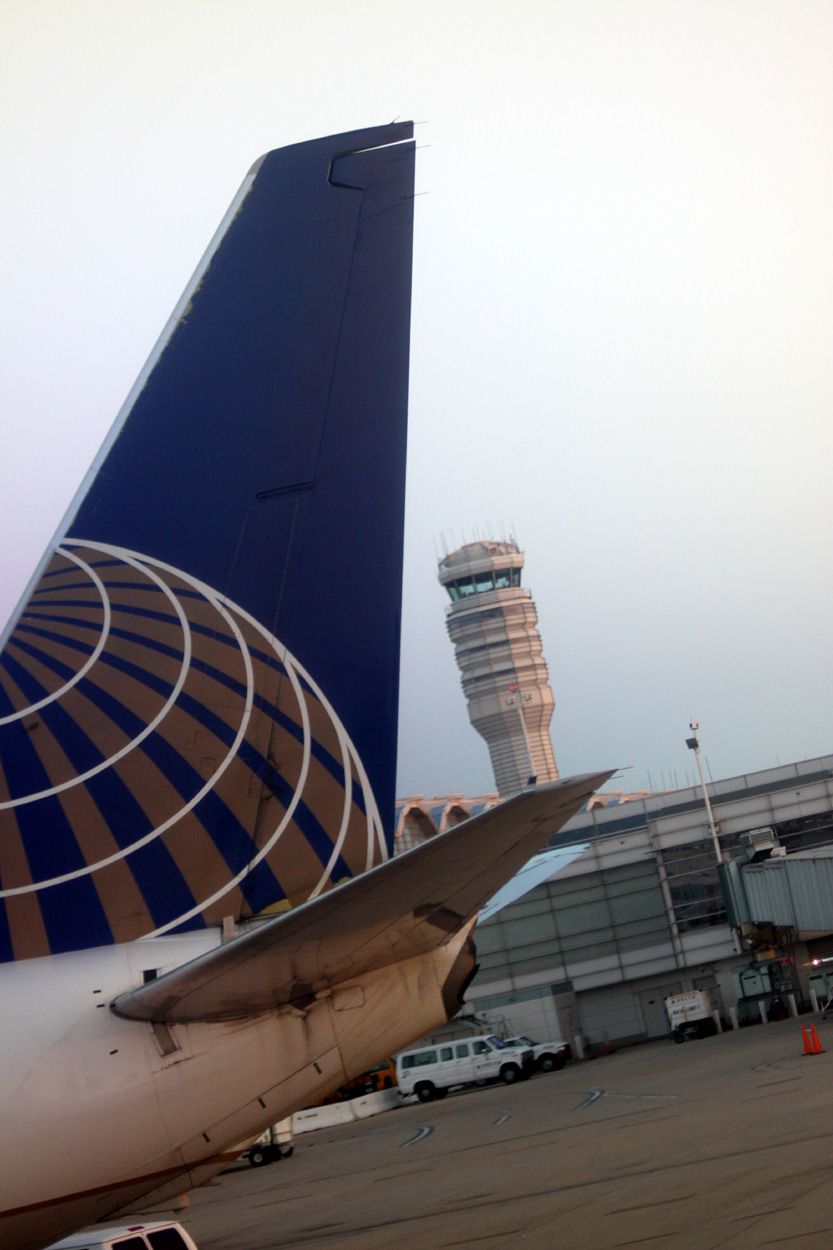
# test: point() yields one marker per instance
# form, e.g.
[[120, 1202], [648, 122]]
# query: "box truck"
[[690, 1014]]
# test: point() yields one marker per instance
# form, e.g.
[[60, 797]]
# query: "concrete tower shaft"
[[493, 625]]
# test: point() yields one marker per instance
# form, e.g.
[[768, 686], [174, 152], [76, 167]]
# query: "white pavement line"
[[608, 1094], [595, 1094], [425, 1131], [502, 1118]]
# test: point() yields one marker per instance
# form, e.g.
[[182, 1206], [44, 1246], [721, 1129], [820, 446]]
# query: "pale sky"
[[621, 345]]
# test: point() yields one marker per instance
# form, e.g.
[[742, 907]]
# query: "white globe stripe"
[[293, 668], [374, 822], [233, 882], [129, 558], [225, 607], [375, 828], [338, 843], [134, 742], [91, 659]]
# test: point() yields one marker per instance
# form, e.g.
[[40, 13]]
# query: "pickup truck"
[[547, 1056]]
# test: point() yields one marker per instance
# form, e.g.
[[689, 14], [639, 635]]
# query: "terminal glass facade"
[[696, 895], [565, 923]]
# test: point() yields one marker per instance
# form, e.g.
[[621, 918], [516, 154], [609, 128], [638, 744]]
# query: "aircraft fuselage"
[[116, 1111]]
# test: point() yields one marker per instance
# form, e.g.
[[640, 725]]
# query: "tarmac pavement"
[[726, 1143]]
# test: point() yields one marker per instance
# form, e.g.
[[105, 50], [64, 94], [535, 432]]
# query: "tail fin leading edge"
[[198, 698]]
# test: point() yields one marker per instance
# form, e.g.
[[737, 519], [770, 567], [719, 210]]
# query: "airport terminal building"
[[630, 906]]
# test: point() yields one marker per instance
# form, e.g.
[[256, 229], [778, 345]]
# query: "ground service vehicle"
[[158, 1236], [431, 1071], [690, 1014], [549, 1056], [273, 1144]]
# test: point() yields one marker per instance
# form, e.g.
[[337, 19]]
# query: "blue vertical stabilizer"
[[198, 699]]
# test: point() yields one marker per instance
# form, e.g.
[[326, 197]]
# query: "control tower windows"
[[463, 587], [479, 583]]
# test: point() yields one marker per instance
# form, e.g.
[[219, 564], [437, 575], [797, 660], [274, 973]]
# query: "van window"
[[462, 1051], [419, 1059], [480, 1048], [167, 1239], [131, 1243], [446, 1053]]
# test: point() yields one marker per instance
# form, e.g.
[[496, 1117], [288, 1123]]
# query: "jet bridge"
[[790, 891]]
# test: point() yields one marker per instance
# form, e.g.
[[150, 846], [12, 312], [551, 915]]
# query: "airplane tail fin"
[[198, 696]]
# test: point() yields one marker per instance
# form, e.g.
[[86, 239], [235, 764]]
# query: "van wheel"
[[510, 1073], [425, 1091], [257, 1157]]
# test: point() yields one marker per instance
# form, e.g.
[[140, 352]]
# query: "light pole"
[[693, 744]]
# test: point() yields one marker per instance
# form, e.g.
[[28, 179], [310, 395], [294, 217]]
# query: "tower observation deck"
[[493, 625]]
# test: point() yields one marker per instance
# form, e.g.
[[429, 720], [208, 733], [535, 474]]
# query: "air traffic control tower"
[[493, 625]]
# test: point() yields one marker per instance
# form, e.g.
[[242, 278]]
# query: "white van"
[[431, 1071], [160, 1236]]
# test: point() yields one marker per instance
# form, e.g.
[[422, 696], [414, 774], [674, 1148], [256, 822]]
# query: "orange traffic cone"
[[818, 1049], [805, 1037]]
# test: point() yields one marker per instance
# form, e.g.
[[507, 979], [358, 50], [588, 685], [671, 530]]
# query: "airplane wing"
[[404, 907]]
